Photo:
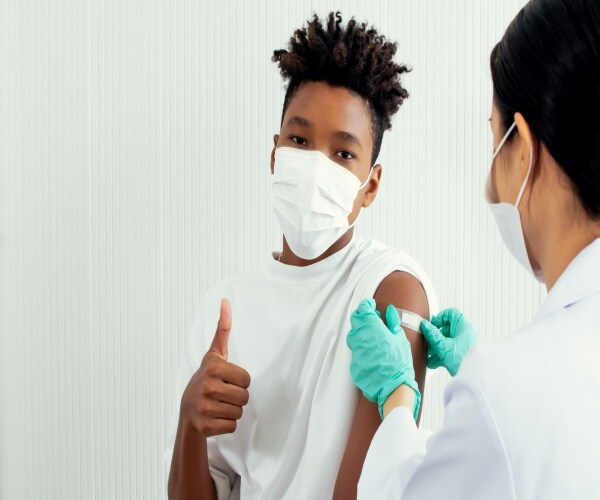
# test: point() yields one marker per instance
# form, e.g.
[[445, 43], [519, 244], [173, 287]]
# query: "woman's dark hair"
[[355, 57], [547, 67]]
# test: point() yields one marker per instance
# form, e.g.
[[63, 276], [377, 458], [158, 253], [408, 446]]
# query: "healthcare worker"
[[522, 417]]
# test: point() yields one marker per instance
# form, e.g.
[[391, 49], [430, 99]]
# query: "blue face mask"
[[508, 217]]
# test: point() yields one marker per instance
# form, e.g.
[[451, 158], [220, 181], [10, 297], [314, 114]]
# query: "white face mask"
[[312, 198], [508, 218]]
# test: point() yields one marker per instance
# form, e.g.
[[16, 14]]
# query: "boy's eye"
[[299, 140], [346, 155]]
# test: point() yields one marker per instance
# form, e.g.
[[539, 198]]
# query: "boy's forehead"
[[326, 106]]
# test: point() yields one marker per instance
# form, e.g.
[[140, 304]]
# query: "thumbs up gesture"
[[214, 398]]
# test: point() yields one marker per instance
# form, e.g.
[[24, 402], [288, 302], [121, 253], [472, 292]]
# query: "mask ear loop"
[[368, 179], [502, 142], [504, 139], [361, 186], [490, 192], [526, 177]]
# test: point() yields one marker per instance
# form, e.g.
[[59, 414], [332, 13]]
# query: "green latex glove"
[[381, 356], [450, 337]]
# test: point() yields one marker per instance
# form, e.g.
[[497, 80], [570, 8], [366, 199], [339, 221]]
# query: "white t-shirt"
[[289, 327]]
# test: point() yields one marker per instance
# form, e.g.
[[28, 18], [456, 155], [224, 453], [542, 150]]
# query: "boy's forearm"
[[189, 477]]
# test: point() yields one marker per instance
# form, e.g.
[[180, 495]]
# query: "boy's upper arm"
[[406, 292]]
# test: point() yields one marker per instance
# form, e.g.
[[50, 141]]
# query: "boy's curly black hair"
[[355, 57]]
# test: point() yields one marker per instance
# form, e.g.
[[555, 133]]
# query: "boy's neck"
[[288, 257]]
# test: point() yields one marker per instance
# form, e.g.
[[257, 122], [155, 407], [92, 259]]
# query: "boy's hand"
[[214, 398]]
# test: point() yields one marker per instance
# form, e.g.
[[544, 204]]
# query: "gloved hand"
[[381, 356], [450, 337]]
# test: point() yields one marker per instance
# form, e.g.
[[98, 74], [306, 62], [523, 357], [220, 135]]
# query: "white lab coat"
[[522, 417]]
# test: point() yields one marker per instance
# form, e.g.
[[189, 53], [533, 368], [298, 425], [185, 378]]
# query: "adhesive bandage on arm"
[[409, 320]]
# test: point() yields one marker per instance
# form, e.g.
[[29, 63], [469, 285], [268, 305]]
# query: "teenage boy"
[[266, 408]]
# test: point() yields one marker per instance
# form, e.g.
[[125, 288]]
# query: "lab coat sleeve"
[[466, 459], [396, 451], [197, 346]]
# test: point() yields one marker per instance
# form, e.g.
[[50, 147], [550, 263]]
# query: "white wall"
[[134, 143]]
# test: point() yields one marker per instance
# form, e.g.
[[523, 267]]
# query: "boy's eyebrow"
[[298, 120], [343, 135], [347, 137]]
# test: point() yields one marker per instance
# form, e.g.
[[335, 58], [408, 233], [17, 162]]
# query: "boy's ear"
[[373, 186], [275, 141]]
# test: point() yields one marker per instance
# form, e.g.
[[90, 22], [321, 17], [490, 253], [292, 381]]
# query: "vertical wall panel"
[[46, 435], [127, 171], [134, 164]]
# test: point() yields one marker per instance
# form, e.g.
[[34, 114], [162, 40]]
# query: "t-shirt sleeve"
[[466, 459], [197, 345]]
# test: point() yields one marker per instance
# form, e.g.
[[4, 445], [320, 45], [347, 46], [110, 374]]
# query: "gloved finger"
[[392, 318], [448, 330], [434, 362], [432, 334], [365, 309], [446, 317], [441, 318], [366, 306], [357, 339], [351, 340]]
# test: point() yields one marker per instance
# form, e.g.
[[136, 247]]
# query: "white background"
[[134, 145]]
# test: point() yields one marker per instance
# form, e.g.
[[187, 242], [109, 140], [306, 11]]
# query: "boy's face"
[[337, 123]]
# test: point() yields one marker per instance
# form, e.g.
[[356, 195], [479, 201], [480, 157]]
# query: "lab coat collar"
[[579, 280]]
